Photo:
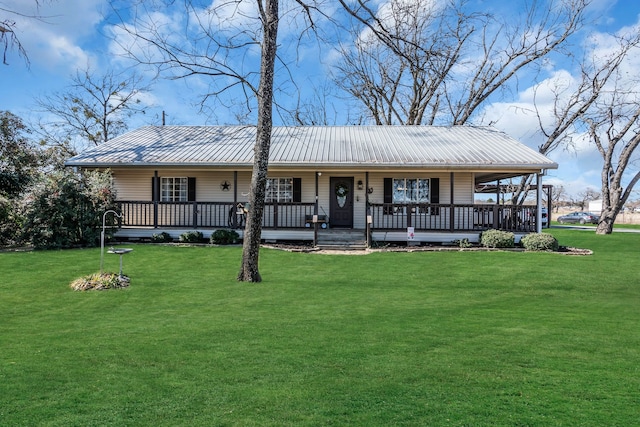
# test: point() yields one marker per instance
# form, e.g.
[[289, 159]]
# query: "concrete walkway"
[[593, 228]]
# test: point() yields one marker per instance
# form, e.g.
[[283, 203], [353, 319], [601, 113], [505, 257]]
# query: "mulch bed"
[[100, 282], [563, 250]]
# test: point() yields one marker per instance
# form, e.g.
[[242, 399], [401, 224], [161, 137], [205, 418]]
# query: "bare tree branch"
[[95, 108], [8, 36], [398, 67], [544, 30], [406, 66]]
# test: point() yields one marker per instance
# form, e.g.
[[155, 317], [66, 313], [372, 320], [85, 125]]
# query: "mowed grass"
[[414, 339]]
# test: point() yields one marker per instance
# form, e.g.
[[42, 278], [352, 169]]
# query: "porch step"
[[338, 239]]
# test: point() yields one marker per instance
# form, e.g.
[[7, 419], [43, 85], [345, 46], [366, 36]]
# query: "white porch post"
[[315, 213], [367, 210], [539, 203]]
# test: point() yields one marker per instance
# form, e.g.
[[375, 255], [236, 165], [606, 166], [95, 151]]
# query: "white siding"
[[464, 188], [135, 184], [359, 202], [323, 194], [132, 184]]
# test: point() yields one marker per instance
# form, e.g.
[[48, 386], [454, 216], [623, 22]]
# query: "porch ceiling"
[[483, 178]]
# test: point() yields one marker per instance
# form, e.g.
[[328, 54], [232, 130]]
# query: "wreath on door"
[[341, 194]]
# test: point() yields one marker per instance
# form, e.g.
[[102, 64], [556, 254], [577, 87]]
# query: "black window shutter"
[[155, 189], [297, 190], [434, 190], [388, 196], [191, 189], [388, 190]]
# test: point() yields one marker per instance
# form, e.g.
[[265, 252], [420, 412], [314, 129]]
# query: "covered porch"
[[385, 222]]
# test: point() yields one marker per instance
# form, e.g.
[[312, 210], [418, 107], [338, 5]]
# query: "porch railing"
[[209, 214], [457, 217], [385, 216]]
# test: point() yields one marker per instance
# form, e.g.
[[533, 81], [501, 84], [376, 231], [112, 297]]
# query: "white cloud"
[[520, 117], [64, 51], [55, 40]]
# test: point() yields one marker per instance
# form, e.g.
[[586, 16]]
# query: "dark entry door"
[[341, 205]]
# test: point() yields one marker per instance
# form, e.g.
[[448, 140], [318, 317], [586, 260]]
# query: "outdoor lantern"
[[360, 185]]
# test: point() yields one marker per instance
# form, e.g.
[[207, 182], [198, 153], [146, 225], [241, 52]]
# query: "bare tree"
[[572, 101], [425, 63], [95, 108], [633, 205], [545, 29], [558, 196], [8, 26], [218, 44], [584, 197], [615, 133], [398, 63], [249, 271], [605, 102]]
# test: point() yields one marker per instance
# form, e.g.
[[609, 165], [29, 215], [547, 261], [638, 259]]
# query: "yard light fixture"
[[360, 185]]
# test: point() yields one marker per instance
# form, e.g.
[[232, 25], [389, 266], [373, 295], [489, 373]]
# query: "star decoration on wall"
[[225, 186]]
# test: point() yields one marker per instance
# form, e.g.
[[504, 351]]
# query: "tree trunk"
[[605, 224], [249, 271], [612, 203]]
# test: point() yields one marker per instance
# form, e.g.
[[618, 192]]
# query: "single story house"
[[379, 183]]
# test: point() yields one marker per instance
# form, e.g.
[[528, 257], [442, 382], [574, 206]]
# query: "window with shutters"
[[174, 189], [279, 190], [410, 190]]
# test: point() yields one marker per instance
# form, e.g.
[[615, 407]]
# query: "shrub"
[[66, 210], [9, 222], [163, 237], [224, 237], [497, 239], [539, 242], [462, 243], [191, 237]]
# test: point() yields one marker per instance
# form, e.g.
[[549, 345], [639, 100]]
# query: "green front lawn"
[[415, 339]]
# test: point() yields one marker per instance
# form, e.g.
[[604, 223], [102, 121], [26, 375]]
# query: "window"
[[279, 190], [174, 189], [410, 190]]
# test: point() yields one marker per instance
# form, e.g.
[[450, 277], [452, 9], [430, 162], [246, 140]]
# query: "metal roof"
[[354, 147]]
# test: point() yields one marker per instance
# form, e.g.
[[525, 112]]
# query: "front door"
[[341, 205]]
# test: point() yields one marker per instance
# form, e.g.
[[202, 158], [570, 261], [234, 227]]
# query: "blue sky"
[[74, 34]]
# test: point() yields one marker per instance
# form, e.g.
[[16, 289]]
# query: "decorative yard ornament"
[[104, 217]]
